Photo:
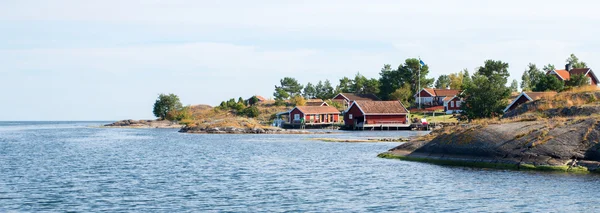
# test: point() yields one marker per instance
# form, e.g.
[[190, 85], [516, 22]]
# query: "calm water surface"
[[68, 166]]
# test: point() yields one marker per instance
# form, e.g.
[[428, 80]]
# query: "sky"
[[109, 59]]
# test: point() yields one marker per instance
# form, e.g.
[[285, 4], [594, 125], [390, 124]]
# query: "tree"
[[391, 80], [466, 79], [324, 90], [548, 68], [253, 100], [251, 112], [280, 94], [456, 79], [531, 77], [442, 82], [289, 86], [345, 85], [575, 63], [166, 103], [298, 100], [485, 96], [310, 91], [549, 83], [403, 94], [359, 83], [514, 86], [241, 101], [371, 86], [577, 80], [184, 113]]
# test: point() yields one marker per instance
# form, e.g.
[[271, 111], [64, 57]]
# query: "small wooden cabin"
[[376, 114], [312, 115], [526, 97]]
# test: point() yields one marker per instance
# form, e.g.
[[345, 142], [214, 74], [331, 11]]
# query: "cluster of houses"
[[367, 111]]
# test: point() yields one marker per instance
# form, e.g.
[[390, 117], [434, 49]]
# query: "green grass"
[[577, 169], [439, 117]]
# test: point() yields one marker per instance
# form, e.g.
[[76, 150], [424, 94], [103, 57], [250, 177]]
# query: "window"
[[451, 103], [350, 116], [296, 117], [458, 104]]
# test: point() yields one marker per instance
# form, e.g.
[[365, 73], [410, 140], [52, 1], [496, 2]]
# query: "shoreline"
[[489, 163]]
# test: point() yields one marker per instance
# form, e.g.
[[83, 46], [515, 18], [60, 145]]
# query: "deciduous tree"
[[166, 103], [442, 82]]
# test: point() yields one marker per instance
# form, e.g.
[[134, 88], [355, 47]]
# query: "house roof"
[[318, 110], [360, 97], [441, 92], [446, 92], [381, 107], [531, 96], [260, 98], [449, 98], [563, 74]]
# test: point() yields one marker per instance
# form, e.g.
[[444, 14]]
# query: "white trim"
[[593, 74], [432, 95], [324, 103], [517, 98], [347, 99]]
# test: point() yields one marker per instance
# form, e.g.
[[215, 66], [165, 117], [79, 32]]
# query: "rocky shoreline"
[[163, 124], [554, 144], [234, 130]]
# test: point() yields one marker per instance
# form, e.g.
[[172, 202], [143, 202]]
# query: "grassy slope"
[[209, 117]]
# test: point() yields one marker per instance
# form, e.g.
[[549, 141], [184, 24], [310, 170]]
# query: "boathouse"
[[376, 115], [314, 115]]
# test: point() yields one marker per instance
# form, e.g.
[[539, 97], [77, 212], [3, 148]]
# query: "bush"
[[251, 112]]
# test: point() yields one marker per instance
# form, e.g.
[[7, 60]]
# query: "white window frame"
[[350, 116], [296, 117], [451, 103]]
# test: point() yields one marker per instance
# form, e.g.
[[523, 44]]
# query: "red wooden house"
[[434, 97], [452, 105], [526, 97], [565, 74], [376, 114], [313, 115], [346, 99]]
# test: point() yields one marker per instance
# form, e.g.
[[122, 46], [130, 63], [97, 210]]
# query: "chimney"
[[568, 67]]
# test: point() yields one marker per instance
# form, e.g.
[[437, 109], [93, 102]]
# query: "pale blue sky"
[[108, 60]]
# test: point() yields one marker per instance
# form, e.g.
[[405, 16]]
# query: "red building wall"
[[356, 113], [452, 104], [424, 94], [519, 101], [592, 79], [293, 113], [383, 119]]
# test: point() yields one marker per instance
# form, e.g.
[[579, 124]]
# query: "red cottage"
[[434, 97], [314, 115], [452, 105], [376, 114], [565, 74]]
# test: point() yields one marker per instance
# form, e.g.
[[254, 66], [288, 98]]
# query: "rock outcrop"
[[564, 144], [234, 130], [145, 124]]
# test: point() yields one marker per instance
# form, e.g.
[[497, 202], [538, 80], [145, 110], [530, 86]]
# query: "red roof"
[[564, 74], [318, 109], [260, 98], [381, 107], [442, 92]]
